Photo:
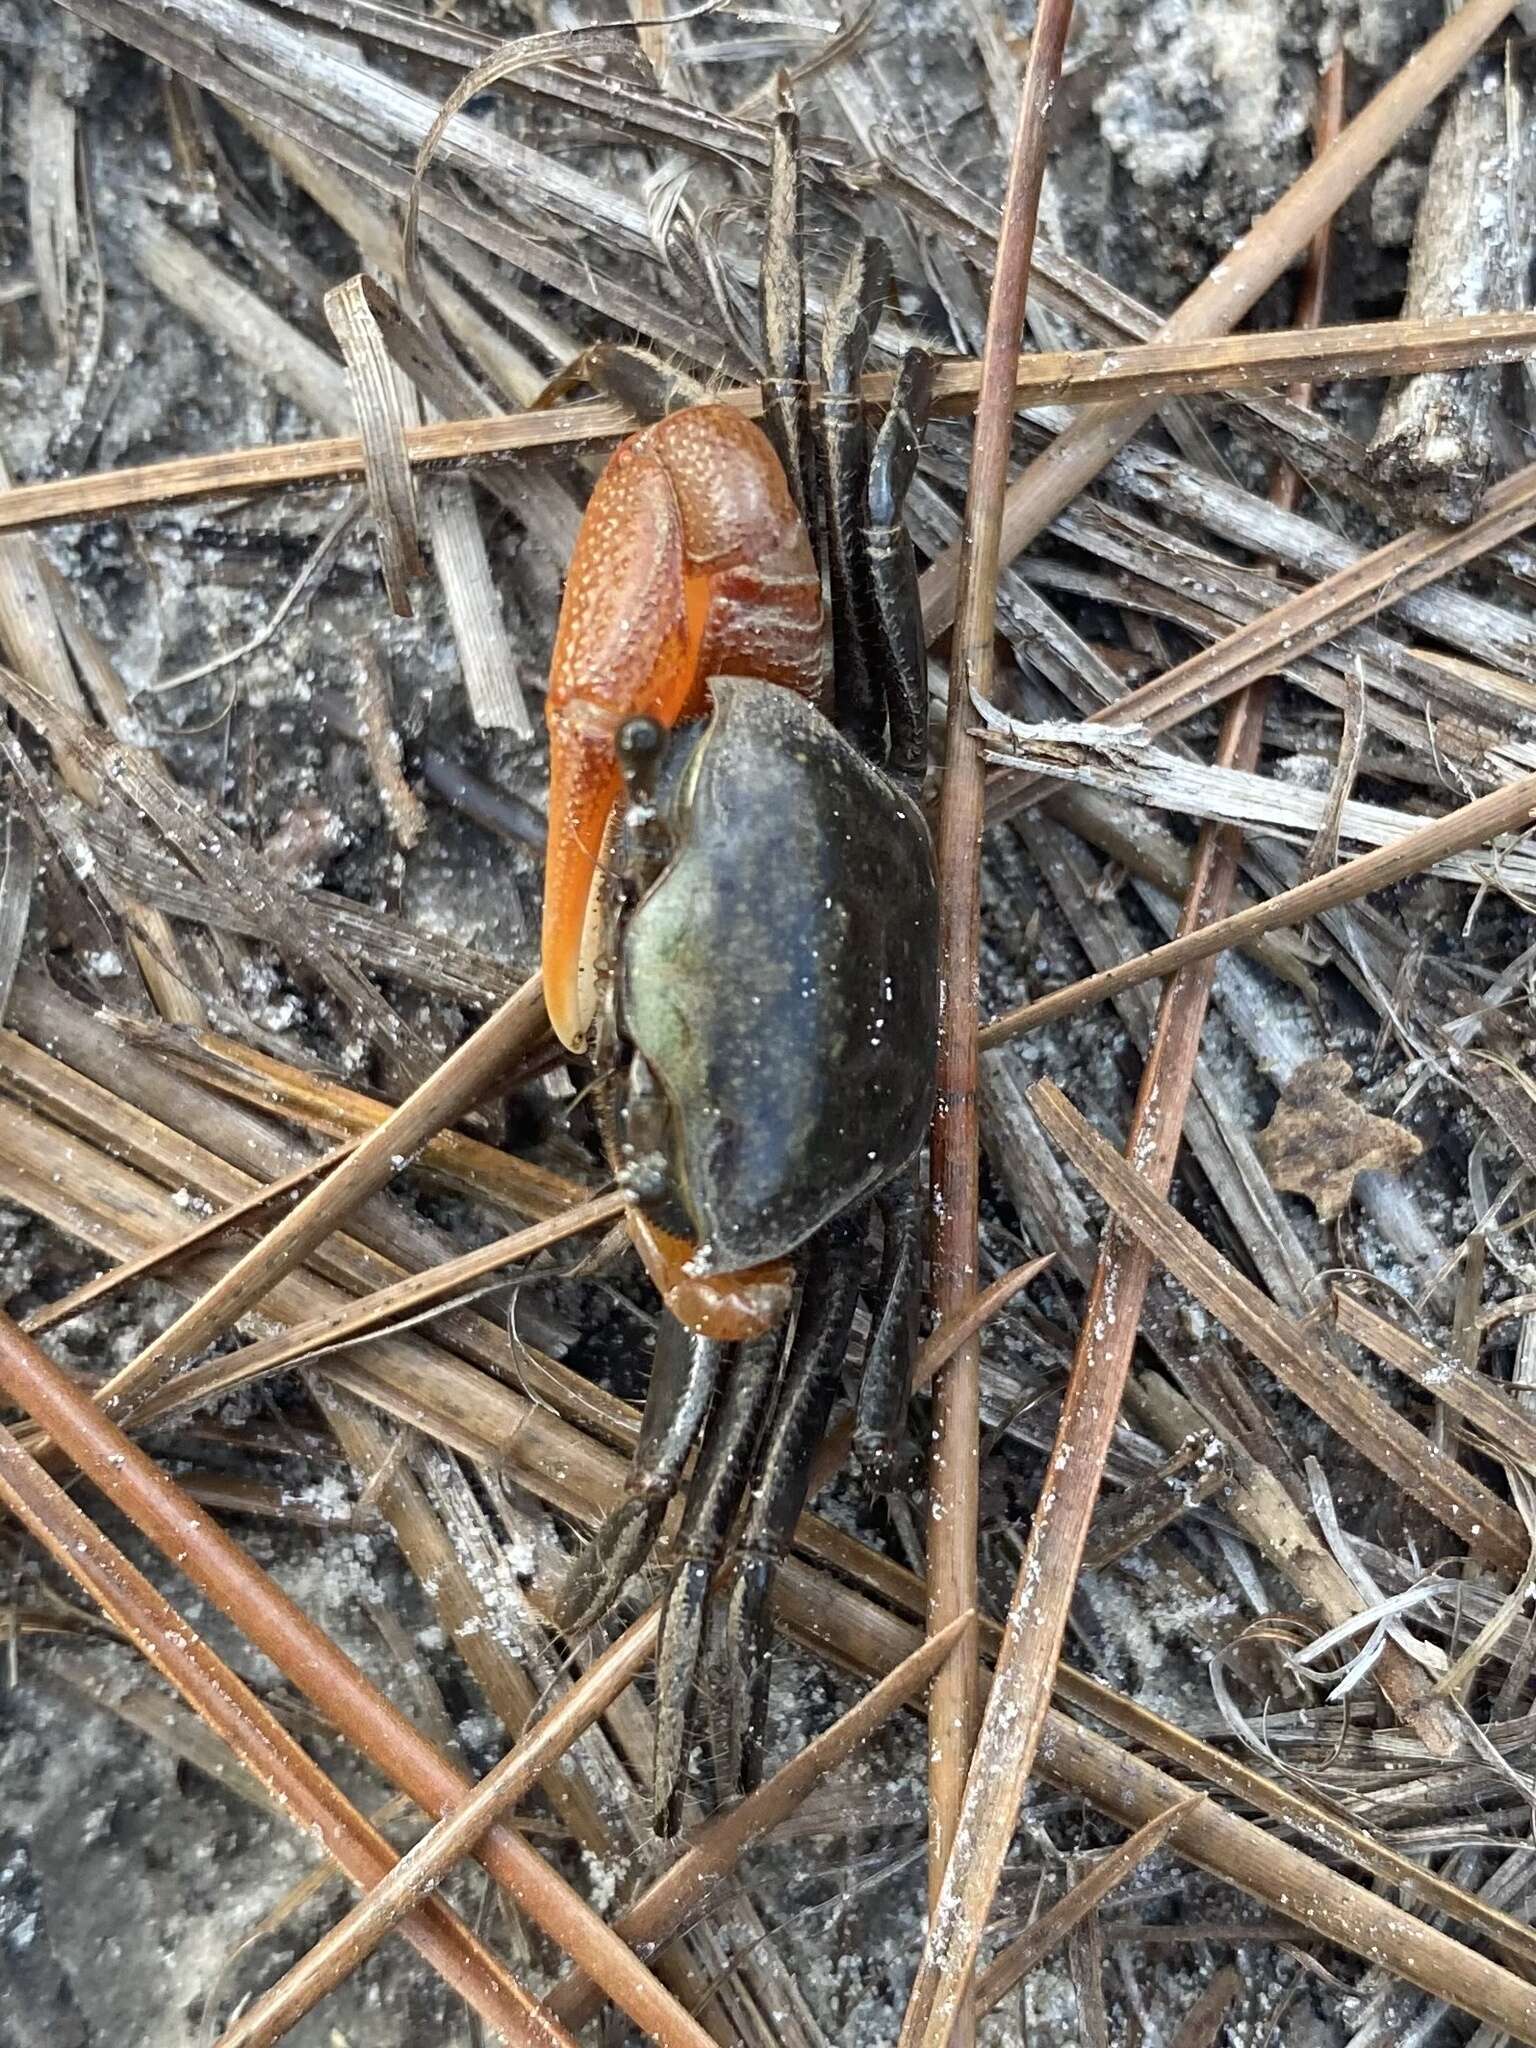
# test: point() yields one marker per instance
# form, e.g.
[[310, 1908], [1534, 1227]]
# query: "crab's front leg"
[[684, 1369]]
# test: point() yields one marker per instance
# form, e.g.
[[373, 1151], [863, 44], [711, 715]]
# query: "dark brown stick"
[[953, 1473]]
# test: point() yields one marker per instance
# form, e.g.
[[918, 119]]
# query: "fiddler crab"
[[741, 937]]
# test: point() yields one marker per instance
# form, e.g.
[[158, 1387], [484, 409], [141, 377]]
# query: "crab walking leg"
[[852, 315], [808, 1388], [684, 1369], [786, 390], [897, 652], [719, 1479], [888, 1356]]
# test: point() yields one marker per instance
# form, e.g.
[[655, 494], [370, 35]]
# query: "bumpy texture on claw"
[[692, 561]]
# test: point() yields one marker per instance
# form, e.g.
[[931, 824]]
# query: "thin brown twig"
[[1057, 1922], [386, 1309], [320, 1669], [1111, 1319], [1150, 371], [258, 1739], [1236, 283], [953, 1466]]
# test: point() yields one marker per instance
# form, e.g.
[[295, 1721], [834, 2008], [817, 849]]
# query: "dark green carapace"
[[781, 977]]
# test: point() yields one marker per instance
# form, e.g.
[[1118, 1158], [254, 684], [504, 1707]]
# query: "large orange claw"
[[691, 562]]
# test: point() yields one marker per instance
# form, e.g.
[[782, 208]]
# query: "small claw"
[[728, 1306], [677, 1663], [606, 1562]]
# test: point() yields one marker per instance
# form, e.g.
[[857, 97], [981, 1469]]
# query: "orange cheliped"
[[692, 561]]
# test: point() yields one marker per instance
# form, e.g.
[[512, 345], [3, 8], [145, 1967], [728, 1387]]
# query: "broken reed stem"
[[644, 1925], [377, 1314], [295, 1784], [1510, 809], [954, 1461], [1146, 372], [1047, 1933], [1236, 284], [443, 1098], [242, 1215], [1111, 1320], [323, 1672]]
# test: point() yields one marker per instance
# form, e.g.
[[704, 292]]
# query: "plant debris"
[[1321, 1138], [1207, 1637]]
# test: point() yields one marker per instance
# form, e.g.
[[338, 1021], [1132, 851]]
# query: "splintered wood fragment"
[[1383, 1437], [1320, 1139], [1149, 371], [954, 1475], [1324, 850], [486, 660], [1236, 283], [1470, 249], [260, 1742], [319, 1669], [1479, 823], [53, 205], [18, 872], [1047, 1933], [356, 312]]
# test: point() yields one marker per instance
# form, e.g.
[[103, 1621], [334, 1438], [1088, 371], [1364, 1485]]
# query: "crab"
[[741, 938]]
